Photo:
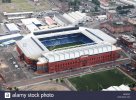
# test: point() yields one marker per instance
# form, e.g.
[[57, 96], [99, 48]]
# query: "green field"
[[64, 45], [25, 5], [100, 80]]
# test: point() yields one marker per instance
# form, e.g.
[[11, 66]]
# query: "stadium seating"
[[65, 39]]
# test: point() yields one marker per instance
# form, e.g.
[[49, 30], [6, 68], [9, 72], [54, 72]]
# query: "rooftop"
[[49, 21], [12, 27], [118, 88], [118, 23], [128, 38], [34, 47], [78, 52], [59, 16]]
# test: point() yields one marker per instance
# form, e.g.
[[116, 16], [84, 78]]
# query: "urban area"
[[68, 45]]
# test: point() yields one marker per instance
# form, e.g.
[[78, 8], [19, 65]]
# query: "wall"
[[23, 57], [117, 29], [82, 61], [127, 43]]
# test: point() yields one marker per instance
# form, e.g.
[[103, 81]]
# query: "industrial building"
[[73, 18], [18, 15], [117, 26], [12, 28], [66, 48], [49, 21], [8, 37], [61, 20], [32, 24]]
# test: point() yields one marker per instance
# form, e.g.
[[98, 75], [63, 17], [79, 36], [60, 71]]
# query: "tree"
[[96, 8], [6, 1], [61, 80], [51, 79], [9, 88], [16, 89], [74, 2], [57, 80], [96, 2], [83, 11]]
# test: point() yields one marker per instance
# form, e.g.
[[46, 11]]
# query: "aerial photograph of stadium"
[[67, 45]]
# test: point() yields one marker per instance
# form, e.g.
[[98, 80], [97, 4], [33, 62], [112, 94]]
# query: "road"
[[80, 71], [43, 79], [127, 75]]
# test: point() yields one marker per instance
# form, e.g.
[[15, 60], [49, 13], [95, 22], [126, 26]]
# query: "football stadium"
[[65, 41], [66, 48]]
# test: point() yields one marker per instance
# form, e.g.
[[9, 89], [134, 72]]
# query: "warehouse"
[[8, 37], [61, 20], [32, 24], [66, 48], [12, 28], [76, 17], [73, 18], [18, 15], [69, 18], [49, 21]]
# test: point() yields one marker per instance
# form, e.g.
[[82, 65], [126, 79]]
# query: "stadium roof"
[[94, 34], [55, 30], [104, 36], [34, 48], [31, 47], [72, 53]]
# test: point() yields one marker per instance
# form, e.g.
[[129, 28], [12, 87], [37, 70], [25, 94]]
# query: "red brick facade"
[[82, 61], [117, 29], [127, 43]]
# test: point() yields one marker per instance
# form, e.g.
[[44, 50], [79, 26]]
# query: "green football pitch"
[[64, 45], [100, 80]]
